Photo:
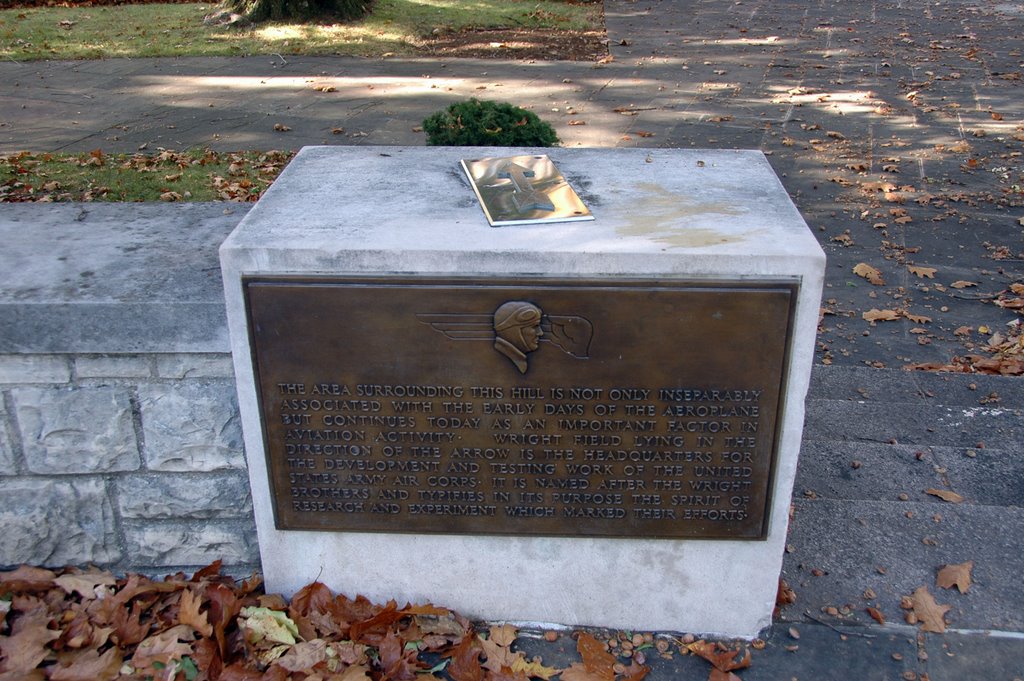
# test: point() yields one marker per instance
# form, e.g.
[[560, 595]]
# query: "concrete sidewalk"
[[871, 113]]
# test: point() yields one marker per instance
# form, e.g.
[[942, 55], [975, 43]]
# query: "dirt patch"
[[532, 44]]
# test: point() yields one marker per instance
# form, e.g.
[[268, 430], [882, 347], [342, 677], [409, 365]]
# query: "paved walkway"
[[896, 126]]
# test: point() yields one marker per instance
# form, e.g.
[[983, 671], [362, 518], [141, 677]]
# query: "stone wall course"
[[34, 369], [191, 426], [194, 366], [113, 366], [192, 543], [164, 496], [56, 522], [72, 430]]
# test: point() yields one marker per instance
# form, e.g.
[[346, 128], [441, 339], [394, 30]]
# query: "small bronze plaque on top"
[[521, 407], [523, 190]]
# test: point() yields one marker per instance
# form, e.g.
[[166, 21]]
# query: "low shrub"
[[477, 123]]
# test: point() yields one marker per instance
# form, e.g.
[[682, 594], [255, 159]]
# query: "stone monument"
[[584, 422]]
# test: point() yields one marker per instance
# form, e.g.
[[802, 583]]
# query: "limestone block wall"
[[120, 442], [133, 462]]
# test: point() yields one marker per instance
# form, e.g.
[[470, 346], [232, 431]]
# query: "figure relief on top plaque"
[[517, 328]]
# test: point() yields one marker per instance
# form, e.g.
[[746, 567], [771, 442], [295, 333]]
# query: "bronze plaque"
[[520, 407]]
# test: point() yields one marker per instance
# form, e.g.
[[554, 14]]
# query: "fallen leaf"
[[930, 614], [89, 665], [872, 274], [644, 133], [161, 648], [876, 615], [922, 272], [26, 578], [718, 675], [958, 575], [875, 315], [723, 660], [278, 127], [304, 655], [963, 284], [505, 635], [945, 495], [85, 583], [596, 659], [264, 624], [324, 88], [578, 672], [189, 613], [27, 645], [917, 318], [497, 653], [465, 660], [533, 668]]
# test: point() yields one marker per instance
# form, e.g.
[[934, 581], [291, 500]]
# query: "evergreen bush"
[[477, 123]]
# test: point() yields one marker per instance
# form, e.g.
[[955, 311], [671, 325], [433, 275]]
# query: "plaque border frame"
[[793, 284]]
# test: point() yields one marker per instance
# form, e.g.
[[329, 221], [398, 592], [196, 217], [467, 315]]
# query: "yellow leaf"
[[533, 669], [870, 273], [922, 272], [265, 624]]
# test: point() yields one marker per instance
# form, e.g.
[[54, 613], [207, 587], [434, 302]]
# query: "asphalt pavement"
[[897, 126]]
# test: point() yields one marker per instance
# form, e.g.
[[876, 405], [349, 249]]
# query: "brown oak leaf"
[[875, 315], [872, 274], [85, 583], [579, 672], [596, 659], [89, 665], [922, 272], [930, 614], [26, 578], [958, 575], [303, 656], [188, 613], [496, 650], [164, 647], [465, 660], [27, 645], [722, 659]]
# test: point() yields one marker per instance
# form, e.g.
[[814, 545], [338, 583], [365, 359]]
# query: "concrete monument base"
[[661, 217]]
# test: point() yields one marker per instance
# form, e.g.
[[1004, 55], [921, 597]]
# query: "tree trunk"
[[262, 10]]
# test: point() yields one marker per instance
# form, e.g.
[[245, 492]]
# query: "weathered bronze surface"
[[522, 190], [520, 407]]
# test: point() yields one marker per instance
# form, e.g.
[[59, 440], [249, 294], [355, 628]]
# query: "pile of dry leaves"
[[75, 625], [1004, 350]]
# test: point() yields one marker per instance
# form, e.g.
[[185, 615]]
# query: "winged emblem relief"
[[516, 328]]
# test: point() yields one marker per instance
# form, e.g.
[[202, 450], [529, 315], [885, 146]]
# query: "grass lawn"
[[394, 27], [197, 175]]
